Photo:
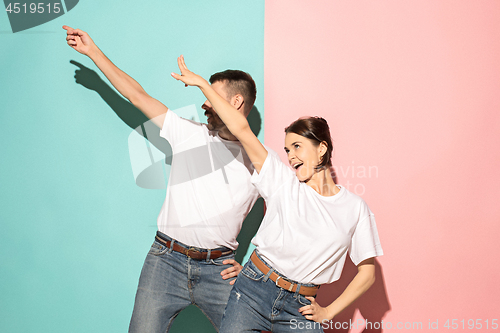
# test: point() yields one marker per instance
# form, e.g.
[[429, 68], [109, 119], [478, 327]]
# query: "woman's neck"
[[322, 182]]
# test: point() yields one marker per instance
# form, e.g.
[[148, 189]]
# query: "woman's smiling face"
[[304, 155]]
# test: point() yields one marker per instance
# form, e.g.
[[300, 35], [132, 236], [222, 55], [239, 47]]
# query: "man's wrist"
[[93, 52]]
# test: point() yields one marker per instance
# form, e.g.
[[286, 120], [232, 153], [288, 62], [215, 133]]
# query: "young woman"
[[309, 227]]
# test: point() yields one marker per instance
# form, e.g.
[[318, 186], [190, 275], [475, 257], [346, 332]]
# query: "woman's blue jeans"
[[170, 281], [257, 304]]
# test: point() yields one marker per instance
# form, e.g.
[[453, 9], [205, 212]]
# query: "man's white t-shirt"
[[306, 236], [209, 192]]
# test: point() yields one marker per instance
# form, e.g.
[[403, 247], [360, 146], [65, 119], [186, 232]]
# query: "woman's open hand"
[[187, 77]]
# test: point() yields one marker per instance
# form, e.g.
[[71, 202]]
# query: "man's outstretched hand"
[[187, 77], [79, 40], [231, 271]]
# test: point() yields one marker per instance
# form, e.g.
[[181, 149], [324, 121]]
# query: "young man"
[[209, 195]]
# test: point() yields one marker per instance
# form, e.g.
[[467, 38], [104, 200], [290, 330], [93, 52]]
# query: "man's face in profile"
[[213, 120]]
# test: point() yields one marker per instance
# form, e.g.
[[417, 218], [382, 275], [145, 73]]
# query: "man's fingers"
[[78, 32], [228, 270], [229, 262], [69, 30]]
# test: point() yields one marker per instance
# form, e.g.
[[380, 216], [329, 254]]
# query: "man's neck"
[[227, 135]]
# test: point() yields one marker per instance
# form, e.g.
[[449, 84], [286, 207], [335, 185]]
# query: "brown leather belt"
[[191, 252], [281, 281]]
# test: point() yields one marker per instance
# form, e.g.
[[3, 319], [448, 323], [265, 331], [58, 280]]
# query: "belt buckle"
[[289, 288], [189, 251]]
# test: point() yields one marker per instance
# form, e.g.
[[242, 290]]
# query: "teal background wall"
[[75, 227]]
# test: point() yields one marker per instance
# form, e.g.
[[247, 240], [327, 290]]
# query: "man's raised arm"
[[127, 86]]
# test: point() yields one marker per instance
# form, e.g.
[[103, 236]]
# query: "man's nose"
[[206, 105]]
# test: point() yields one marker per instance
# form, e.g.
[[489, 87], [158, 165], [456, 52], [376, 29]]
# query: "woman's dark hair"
[[316, 129]]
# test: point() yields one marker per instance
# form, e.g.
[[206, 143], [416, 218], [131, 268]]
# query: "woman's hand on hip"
[[315, 312]]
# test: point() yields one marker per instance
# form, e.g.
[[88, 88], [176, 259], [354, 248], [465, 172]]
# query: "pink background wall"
[[411, 90]]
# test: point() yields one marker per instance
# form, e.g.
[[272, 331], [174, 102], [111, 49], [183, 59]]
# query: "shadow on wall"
[[191, 319], [152, 176], [132, 116], [373, 305]]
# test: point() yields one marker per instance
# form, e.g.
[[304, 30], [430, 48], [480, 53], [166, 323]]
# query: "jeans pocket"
[[158, 249], [219, 261], [252, 272], [303, 300]]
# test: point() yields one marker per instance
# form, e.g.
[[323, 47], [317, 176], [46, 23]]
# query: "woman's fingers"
[[175, 76], [183, 62]]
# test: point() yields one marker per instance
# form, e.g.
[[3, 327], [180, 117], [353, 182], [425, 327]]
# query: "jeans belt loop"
[[266, 277], [208, 254], [172, 241], [297, 292]]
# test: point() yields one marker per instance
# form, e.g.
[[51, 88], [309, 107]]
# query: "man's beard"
[[216, 123], [215, 126]]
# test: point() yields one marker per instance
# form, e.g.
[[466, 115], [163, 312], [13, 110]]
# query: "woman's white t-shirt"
[[306, 236]]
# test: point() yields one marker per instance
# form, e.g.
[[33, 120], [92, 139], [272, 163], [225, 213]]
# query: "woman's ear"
[[323, 147]]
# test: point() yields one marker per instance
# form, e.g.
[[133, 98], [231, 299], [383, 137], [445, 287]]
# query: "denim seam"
[[159, 248], [213, 324], [190, 280], [171, 321], [274, 304]]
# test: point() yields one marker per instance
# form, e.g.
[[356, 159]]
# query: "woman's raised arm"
[[235, 121]]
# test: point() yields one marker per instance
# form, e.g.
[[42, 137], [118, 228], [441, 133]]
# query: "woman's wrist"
[[203, 84], [331, 311]]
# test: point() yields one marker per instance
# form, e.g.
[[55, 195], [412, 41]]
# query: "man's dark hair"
[[238, 82], [316, 129]]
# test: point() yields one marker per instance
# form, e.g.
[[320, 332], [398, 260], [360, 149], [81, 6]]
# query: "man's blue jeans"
[[170, 281], [257, 304]]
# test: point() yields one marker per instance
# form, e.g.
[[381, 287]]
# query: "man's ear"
[[237, 101]]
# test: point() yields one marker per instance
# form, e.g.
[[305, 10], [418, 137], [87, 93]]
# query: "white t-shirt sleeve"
[[176, 129], [273, 174], [365, 242]]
